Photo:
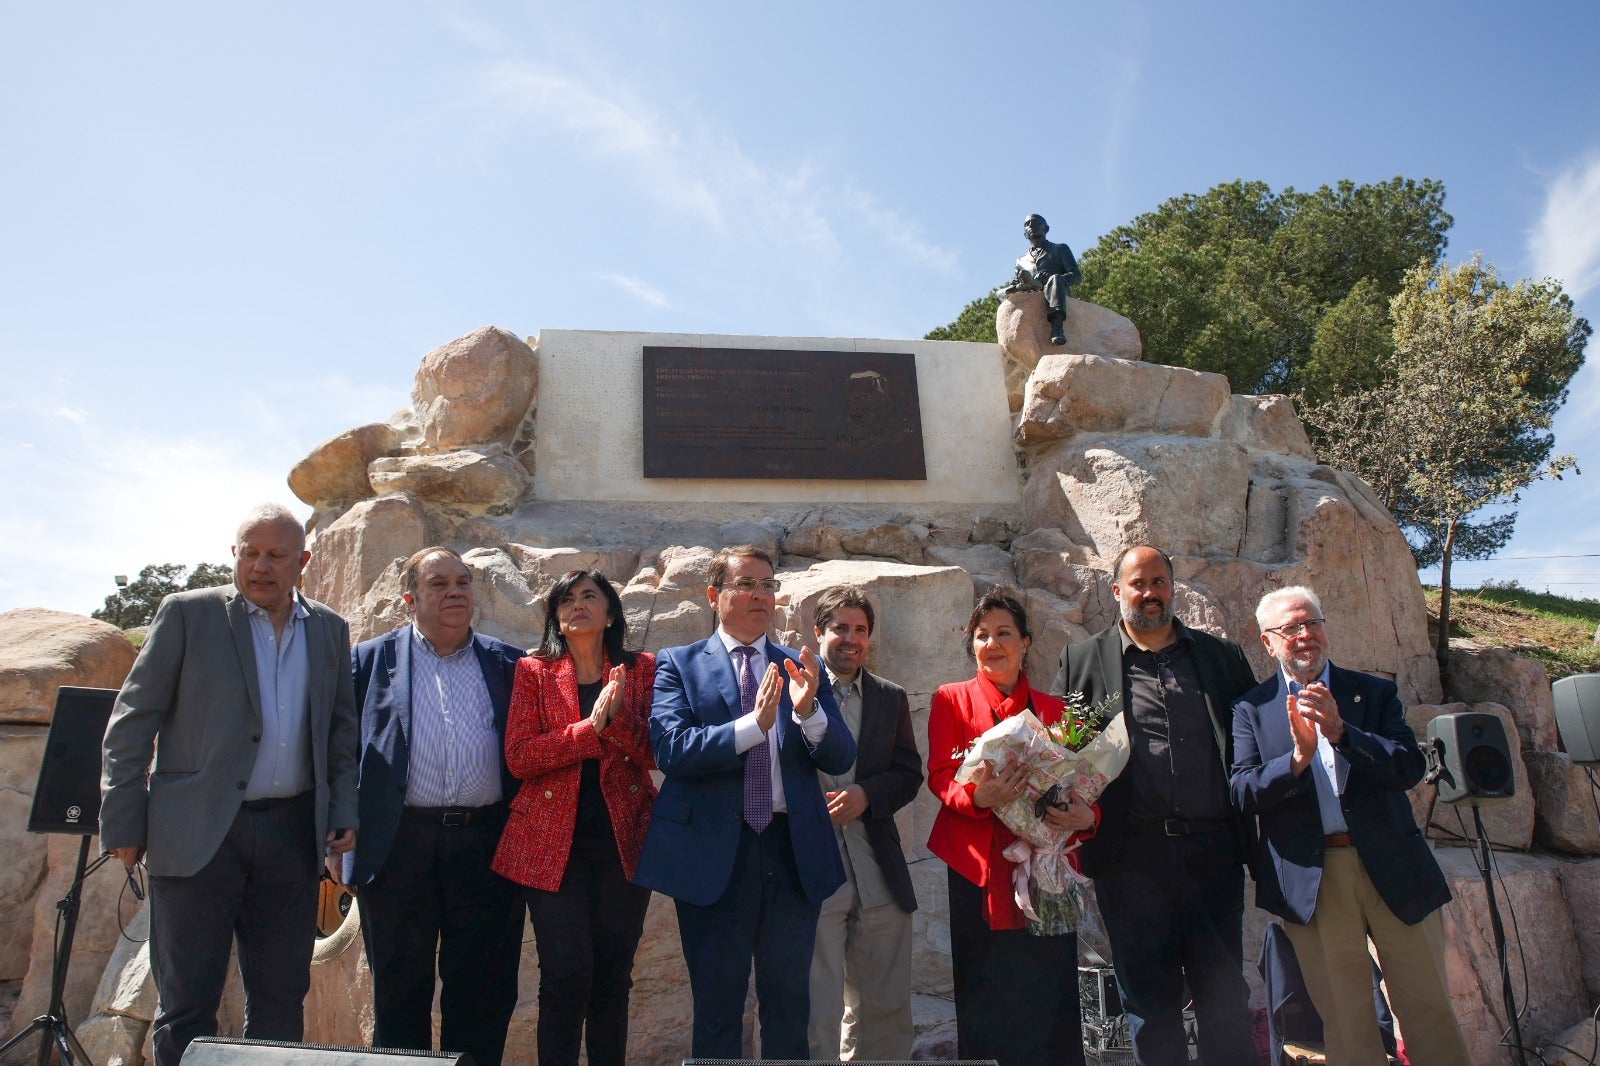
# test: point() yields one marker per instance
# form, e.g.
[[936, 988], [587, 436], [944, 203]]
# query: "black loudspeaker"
[[67, 797], [1578, 715], [226, 1051], [1474, 758]]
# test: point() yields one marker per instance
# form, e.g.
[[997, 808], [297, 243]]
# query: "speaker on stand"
[[66, 799], [1469, 759]]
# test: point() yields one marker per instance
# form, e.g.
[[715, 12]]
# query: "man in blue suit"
[[740, 835], [434, 786], [1323, 757]]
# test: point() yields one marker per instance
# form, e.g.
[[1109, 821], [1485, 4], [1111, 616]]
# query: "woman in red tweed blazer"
[[1016, 994], [578, 737]]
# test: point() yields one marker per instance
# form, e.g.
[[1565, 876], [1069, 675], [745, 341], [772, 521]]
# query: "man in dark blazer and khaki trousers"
[[861, 965], [1323, 757], [248, 689]]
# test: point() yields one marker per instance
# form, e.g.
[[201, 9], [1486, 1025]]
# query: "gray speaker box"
[[1476, 758], [1578, 715]]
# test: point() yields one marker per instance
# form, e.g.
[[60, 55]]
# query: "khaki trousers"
[[861, 981], [1332, 950]]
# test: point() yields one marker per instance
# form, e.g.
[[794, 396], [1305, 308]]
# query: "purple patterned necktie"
[[757, 760]]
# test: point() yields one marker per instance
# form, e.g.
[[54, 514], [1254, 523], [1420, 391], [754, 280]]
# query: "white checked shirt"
[[455, 750]]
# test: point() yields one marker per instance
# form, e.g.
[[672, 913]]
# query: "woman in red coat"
[[577, 736], [1016, 994]]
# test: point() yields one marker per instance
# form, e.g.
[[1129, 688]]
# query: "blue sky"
[[230, 231]]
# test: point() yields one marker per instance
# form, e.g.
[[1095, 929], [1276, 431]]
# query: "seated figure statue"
[[1047, 267]]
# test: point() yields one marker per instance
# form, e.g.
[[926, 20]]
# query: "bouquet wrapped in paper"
[[1083, 752]]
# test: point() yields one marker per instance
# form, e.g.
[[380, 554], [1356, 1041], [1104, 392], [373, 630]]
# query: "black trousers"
[[259, 890], [587, 931], [436, 896], [1174, 909], [1016, 993]]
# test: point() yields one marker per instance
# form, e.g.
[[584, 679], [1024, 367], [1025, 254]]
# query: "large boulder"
[[21, 749], [1022, 326], [351, 556], [1187, 494], [1072, 394], [1265, 423], [336, 470], [1565, 817], [1580, 884], [475, 390], [489, 477], [42, 650], [1550, 990], [1480, 674]]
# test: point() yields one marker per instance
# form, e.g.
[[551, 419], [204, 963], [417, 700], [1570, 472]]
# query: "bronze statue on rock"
[[1047, 267]]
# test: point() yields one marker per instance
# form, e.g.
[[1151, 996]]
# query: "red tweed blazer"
[[967, 837], [547, 736]]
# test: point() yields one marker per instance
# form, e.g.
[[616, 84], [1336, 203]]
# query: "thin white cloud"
[[900, 232], [1565, 244], [72, 414], [794, 210], [642, 291], [610, 123]]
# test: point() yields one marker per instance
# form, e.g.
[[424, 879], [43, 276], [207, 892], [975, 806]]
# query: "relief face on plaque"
[[760, 413]]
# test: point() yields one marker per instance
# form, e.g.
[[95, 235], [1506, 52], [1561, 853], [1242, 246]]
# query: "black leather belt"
[[1181, 827], [272, 801], [453, 817]]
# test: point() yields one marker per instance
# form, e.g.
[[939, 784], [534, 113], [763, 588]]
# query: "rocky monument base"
[[1042, 463]]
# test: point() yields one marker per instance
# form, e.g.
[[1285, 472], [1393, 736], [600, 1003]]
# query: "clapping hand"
[[803, 681], [610, 698], [1304, 732]]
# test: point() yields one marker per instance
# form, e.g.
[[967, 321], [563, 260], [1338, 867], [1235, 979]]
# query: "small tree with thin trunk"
[[1462, 419]]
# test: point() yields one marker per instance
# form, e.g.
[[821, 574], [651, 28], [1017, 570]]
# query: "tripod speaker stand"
[[67, 800]]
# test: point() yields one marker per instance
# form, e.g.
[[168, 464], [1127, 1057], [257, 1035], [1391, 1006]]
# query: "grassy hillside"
[[1557, 631]]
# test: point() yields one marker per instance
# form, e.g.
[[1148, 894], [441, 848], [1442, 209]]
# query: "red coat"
[[547, 737], [968, 838]]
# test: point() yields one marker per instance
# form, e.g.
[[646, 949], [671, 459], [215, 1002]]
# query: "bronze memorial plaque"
[[763, 413]]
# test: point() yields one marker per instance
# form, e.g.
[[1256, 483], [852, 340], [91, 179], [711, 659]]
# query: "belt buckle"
[[455, 819], [1173, 827]]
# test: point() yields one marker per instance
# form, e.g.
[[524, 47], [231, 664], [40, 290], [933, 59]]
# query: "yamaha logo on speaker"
[[74, 814]]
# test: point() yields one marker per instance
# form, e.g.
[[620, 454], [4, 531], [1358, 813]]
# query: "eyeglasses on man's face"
[[1293, 629], [748, 585]]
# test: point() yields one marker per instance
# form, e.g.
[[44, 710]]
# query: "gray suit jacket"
[[194, 685]]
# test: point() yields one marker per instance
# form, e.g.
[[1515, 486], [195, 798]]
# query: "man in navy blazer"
[[434, 786], [740, 835], [1323, 758]]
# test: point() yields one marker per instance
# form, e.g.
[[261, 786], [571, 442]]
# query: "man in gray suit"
[[248, 688]]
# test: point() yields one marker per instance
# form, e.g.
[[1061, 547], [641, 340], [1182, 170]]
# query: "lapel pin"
[[1358, 699]]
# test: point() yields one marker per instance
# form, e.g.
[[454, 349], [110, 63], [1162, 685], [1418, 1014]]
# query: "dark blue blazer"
[[694, 827], [383, 696], [1384, 761]]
